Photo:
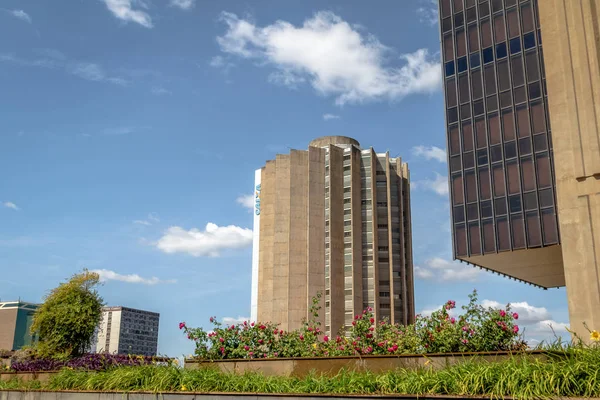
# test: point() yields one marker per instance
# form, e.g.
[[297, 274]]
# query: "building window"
[[384, 294]]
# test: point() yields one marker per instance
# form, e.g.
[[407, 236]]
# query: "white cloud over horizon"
[[124, 10], [356, 67], [20, 14], [430, 153], [108, 275], [11, 205], [439, 269], [208, 243]]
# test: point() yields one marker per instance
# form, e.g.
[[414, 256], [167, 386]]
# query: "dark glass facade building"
[[499, 138]]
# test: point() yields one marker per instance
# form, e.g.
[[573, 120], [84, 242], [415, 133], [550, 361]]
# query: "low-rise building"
[[16, 318]]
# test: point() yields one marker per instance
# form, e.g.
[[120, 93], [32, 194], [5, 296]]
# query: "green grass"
[[575, 374]]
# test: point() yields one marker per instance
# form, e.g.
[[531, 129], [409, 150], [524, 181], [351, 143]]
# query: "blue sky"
[[130, 131]]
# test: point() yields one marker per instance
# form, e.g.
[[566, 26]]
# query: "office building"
[[521, 83], [16, 318], [333, 219], [127, 331]]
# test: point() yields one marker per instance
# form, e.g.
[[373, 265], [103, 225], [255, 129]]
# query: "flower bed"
[[478, 329], [88, 362]]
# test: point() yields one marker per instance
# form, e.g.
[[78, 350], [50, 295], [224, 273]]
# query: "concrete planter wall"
[[299, 367]]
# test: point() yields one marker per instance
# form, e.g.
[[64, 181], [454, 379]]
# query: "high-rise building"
[[333, 219], [16, 318], [523, 142], [127, 331]]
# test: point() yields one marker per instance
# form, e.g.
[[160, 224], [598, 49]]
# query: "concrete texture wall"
[[571, 40], [8, 321]]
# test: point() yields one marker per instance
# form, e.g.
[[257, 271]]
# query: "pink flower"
[[310, 329], [465, 341], [452, 320], [189, 337], [221, 340], [515, 315], [251, 354], [371, 329], [211, 319], [372, 320], [276, 354], [275, 331], [260, 341], [245, 322], [246, 348], [252, 324], [381, 344], [353, 323], [515, 328], [326, 338], [222, 349], [181, 325], [369, 309], [369, 349], [301, 337], [232, 327], [502, 313], [390, 350], [356, 317], [262, 327], [341, 347], [465, 328], [395, 347], [281, 332], [364, 312]]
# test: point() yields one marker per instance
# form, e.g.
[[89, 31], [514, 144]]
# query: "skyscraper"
[[126, 330], [523, 153], [333, 219]]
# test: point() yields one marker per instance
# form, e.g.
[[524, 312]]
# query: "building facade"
[[521, 79], [333, 219], [127, 331], [16, 318]]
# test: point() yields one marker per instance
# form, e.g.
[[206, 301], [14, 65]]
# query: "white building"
[[127, 331]]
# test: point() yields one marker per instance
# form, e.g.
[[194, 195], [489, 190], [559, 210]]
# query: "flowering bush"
[[478, 329], [88, 362]]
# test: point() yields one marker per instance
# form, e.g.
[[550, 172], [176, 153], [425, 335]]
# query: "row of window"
[[498, 234]]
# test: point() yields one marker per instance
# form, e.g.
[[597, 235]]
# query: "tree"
[[66, 322]]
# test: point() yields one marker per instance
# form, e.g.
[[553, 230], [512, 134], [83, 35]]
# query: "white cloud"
[[11, 205], [22, 15], [328, 117], [159, 91], [448, 271], [88, 71], [430, 153], [183, 4], [108, 275], [439, 185], [150, 220], [123, 10], [209, 242], [333, 56], [234, 321], [122, 130], [246, 201], [527, 314], [428, 12]]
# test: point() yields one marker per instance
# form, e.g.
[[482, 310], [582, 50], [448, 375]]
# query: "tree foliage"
[[66, 321]]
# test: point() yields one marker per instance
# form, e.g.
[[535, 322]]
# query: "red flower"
[[252, 324], [372, 320], [189, 337], [371, 329], [275, 331], [502, 313], [246, 348], [222, 349], [395, 347], [356, 317], [211, 319], [353, 323], [369, 335], [245, 322], [515, 328], [452, 320], [260, 341], [338, 339], [181, 325], [221, 340], [310, 329], [515, 316], [326, 338], [301, 337], [262, 327], [281, 332], [232, 327]]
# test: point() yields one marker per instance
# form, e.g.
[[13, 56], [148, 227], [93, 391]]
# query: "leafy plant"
[[478, 329], [66, 321]]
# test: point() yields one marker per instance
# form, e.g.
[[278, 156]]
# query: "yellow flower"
[[314, 345], [595, 336], [183, 388]]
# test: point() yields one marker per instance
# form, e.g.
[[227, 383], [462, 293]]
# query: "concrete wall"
[[8, 320], [570, 32]]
